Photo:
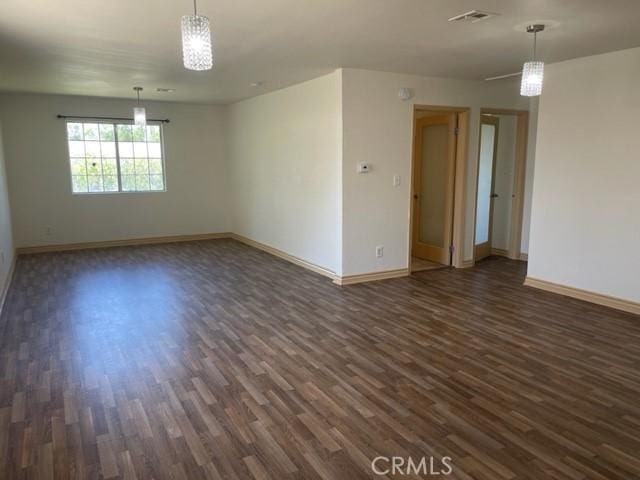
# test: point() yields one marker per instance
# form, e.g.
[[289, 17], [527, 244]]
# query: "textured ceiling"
[[106, 47]]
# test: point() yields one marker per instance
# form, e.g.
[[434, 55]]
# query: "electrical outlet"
[[396, 180], [2, 256], [379, 251], [48, 231]]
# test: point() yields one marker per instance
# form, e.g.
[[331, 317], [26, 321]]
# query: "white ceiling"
[[105, 47]]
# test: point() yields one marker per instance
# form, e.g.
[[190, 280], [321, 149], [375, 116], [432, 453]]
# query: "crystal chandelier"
[[139, 113], [533, 71], [196, 41]]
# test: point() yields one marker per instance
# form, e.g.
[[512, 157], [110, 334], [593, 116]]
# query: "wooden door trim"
[[459, 194], [460, 191], [517, 211], [519, 175]]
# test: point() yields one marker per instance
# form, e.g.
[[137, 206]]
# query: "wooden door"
[[433, 187], [486, 185]]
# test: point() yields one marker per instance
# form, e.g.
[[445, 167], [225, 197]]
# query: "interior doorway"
[[486, 194], [439, 155], [500, 183]]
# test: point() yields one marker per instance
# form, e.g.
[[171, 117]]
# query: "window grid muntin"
[[119, 175]]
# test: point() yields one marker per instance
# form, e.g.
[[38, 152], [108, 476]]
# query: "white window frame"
[[115, 123]]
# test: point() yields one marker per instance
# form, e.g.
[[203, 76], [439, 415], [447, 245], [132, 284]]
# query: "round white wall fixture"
[[405, 94]]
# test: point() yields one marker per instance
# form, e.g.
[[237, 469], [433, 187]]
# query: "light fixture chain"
[[195, 7]]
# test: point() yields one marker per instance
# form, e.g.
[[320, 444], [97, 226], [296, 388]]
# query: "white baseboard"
[[371, 277], [586, 295], [500, 252], [338, 280], [64, 247], [284, 255], [176, 238]]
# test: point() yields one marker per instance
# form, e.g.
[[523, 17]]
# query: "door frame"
[[460, 172], [495, 121], [522, 132]]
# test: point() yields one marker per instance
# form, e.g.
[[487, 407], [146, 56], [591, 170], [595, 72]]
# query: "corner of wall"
[[7, 244], [529, 173], [339, 159], [285, 152]]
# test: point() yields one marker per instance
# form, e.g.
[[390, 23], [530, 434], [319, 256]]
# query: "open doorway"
[[500, 186], [439, 157]]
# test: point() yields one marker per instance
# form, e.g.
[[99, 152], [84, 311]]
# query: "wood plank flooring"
[[214, 360]]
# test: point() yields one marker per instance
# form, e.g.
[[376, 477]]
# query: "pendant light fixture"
[[196, 41], [533, 71], [139, 113]]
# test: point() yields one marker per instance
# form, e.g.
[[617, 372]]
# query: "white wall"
[[585, 225], [197, 199], [6, 232], [503, 182], [377, 128], [285, 154]]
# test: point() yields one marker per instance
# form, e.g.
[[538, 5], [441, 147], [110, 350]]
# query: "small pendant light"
[[196, 41], [533, 71], [139, 113]]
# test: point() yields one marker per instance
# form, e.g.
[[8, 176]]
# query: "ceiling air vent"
[[473, 16]]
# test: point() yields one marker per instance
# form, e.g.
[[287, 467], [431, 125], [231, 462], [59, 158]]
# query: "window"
[[115, 157]]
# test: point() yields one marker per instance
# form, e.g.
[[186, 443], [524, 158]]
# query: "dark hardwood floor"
[[215, 360]]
